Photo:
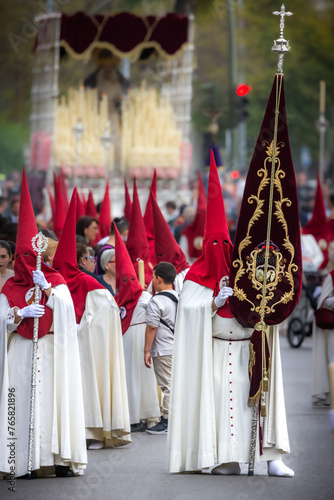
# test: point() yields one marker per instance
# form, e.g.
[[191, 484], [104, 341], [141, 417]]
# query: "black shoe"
[[63, 471], [140, 427], [33, 475], [160, 428]]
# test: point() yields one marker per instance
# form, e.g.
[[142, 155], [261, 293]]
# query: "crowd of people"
[[134, 332]]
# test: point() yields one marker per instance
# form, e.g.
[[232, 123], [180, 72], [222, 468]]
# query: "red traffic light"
[[243, 89]]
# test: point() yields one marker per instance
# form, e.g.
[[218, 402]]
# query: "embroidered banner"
[[266, 271]]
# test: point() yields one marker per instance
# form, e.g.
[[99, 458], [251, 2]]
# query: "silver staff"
[[255, 412], [280, 46], [39, 244]]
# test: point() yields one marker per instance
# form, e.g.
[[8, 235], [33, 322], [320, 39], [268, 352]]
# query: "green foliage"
[[13, 136], [310, 34]]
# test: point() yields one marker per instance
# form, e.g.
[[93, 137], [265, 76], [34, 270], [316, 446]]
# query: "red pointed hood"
[[137, 243], [318, 225], [201, 200], [19, 289], [195, 231], [148, 218], [319, 217], [92, 212], [213, 267], [65, 261], [52, 203], [166, 248], [91, 207], [66, 249], [61, 209], [84, 202], [105, 214], [80, 210], [128, 286], [128, 203], [63, 187]]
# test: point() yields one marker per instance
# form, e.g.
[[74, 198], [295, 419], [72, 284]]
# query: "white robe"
[[59, 428], [178, 282], [141, 381], [322, 353], [183, 243], [205, 426], [103, 370]]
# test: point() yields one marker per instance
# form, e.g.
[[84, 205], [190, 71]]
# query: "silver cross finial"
[[281, 45], [282, 14]]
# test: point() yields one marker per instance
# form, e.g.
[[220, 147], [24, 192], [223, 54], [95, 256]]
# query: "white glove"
[[329, 302], [317, 292], [223, 295], [32, 311], [39, 279]]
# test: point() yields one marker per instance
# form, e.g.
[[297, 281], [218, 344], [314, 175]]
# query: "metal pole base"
[[255, 412]]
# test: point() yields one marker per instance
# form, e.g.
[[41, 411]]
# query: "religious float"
[[106, 127]]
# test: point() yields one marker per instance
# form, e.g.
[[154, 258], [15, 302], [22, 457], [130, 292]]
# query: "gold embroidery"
[[278, 266]]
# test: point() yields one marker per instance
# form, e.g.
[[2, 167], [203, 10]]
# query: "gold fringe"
[[251, 359], [133, 54], [252, 400]]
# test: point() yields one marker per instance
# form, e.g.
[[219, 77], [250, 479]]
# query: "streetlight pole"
[[233, 77], [49, 6], [78, 130], [322, 125]]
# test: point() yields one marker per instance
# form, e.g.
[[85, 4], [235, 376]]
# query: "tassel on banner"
[[265, 382], [263, 406], [258, 383]]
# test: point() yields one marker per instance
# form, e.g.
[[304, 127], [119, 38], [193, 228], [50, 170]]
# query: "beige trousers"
[[163, 371]]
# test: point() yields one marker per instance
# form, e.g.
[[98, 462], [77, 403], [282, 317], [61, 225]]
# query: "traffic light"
[[242, 101], [242, 89], [242, 111]]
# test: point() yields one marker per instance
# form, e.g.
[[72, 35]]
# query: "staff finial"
[[281, 45]]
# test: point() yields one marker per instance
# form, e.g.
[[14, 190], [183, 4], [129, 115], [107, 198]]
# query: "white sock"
[[96, 445], [231, 468], [278, 468]]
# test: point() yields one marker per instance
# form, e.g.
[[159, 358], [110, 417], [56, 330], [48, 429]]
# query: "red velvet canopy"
[[124, 34]]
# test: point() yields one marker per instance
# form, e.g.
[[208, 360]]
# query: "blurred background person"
[[85, 261], [108, 242], [88, 228], [5, 259], [108, 279]]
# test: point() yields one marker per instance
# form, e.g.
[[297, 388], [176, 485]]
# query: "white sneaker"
[[278, 468], [96, 445]]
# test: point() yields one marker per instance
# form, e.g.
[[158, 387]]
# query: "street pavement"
[[138, 471]]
